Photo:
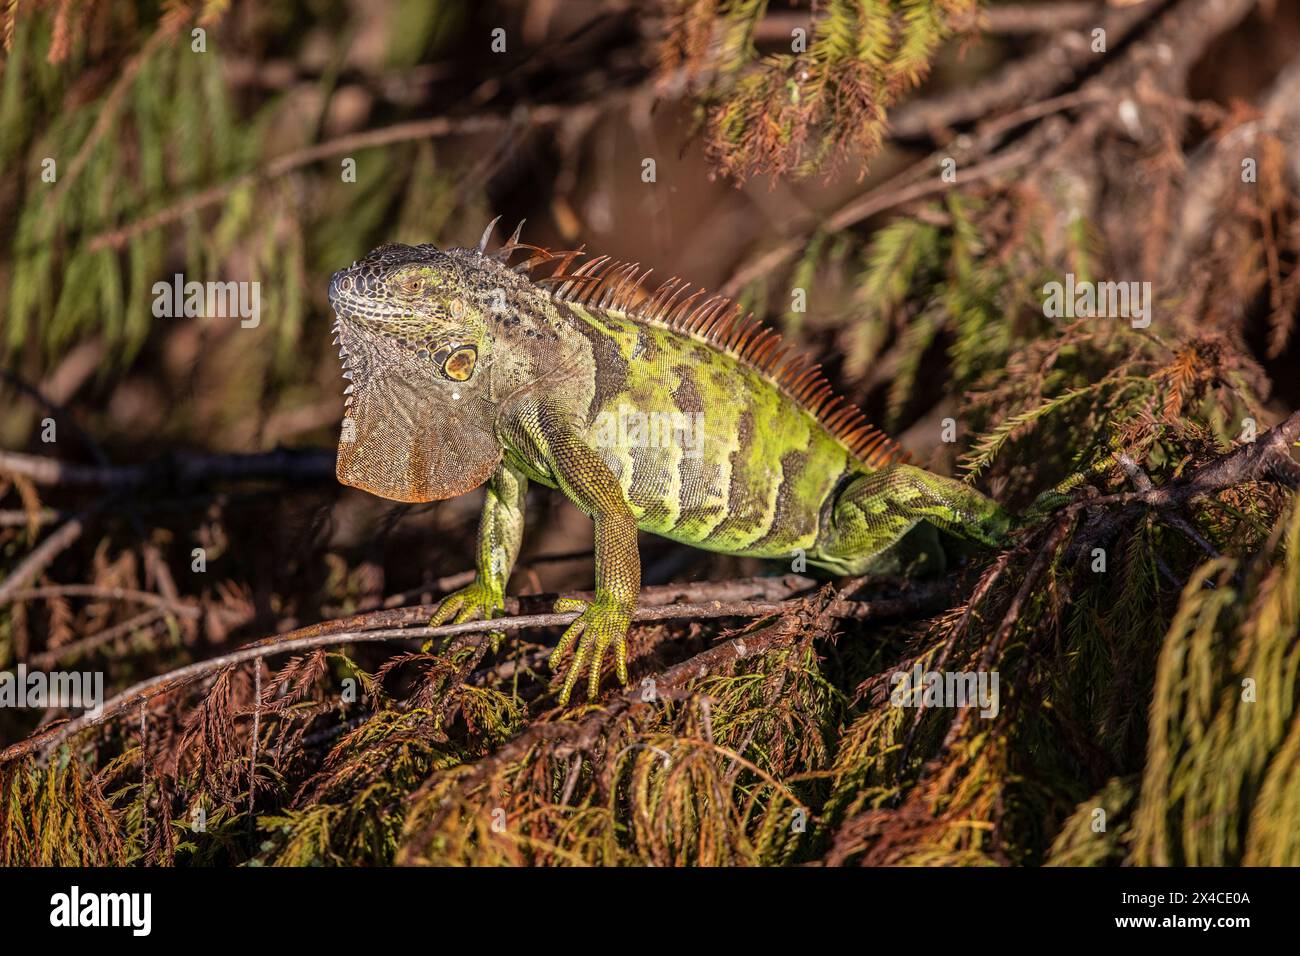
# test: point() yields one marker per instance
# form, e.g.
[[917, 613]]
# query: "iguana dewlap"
[[668, 411]]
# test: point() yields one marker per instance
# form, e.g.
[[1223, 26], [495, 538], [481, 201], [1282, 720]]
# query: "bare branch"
[[43, 554], [1033, 78], [311, 464], [348, 631]]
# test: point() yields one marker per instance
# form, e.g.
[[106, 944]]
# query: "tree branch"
[[1010, 18], [1037, 76], [352, 631], [437, 126], [41, 556], [1266, 459], [180, 469]]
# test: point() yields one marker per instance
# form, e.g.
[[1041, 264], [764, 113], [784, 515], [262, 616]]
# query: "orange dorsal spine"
[[600, 282]]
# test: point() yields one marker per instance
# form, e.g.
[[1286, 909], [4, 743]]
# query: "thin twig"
[[1143, 482], [1010, 19], [310, 464], [1028, 80], [19, 518], [106, 594], [1266, 459], [65, 652], [41, 556], [437, 126], [883, 197]]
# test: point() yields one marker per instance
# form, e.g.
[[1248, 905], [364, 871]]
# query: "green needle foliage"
[[822, 101]]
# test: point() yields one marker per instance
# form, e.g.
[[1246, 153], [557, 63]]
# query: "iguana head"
[[414, 341], [417, 299]]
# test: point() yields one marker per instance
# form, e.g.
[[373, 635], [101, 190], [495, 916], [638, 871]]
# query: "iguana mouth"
[[352, 312], [351, 304]]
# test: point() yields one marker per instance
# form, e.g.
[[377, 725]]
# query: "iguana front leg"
[[500, 532], [587, 481]]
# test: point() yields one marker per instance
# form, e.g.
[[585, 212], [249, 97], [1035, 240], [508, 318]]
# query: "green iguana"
[[669, 411]]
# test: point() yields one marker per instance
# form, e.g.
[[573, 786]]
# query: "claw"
[[601, 623], [470, 603]]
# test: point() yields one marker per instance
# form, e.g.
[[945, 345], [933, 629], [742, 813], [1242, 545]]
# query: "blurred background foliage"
[[799, 155]]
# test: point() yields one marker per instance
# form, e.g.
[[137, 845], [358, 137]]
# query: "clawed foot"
[[602, 622], [471, 603]]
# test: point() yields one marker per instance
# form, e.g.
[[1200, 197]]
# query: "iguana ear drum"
[[458, 365], [461, 363]]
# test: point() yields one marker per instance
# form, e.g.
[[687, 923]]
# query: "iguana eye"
[[412, 285], [460, 363]]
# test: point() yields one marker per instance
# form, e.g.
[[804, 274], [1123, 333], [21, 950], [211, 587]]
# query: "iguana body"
[[663, 411]]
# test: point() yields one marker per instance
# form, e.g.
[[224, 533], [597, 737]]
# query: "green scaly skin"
[[465, 371]]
